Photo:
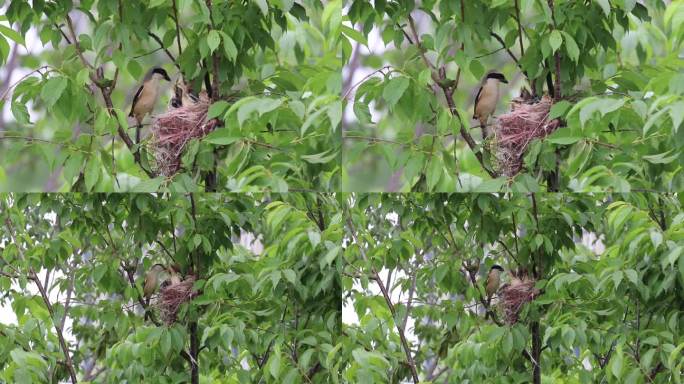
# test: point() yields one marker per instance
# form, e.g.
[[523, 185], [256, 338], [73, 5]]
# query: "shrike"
[[486, 100], [146, 97], [493, 281]]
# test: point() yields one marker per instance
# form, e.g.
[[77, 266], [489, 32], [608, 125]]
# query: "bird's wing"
[[477, 98], [135, 99]]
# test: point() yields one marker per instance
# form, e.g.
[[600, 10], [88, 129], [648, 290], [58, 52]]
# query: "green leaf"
[[290, 276], [229, 46], [320, 158], [662, 158], [134, 69], [571, 47], [559, 137], [555, 40], [274, 364], [605, 5], [12, 34], [559, 109], [223, 136], [165, 342], [156, 3], [507, 343], [330, 256], [677, 115], [335, 114], [355, 35], [217, 109], [20, 113], [260, 105], [92, 172], [672, 256], [53, 89], [213, 40], [616, 364], [394, 89], [263, 6], [434, 172], [151, 185]]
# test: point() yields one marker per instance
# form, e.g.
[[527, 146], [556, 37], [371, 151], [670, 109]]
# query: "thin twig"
[[178, 34], [346, 94], [388, 301], [58, 328], [106, 95], [161, 44]]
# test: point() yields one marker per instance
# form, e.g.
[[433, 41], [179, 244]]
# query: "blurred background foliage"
[[276, 67], [621, 82], [268, 294], [609, 270]]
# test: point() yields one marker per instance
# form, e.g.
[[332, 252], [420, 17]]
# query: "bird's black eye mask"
[[498, 76], [162, 72], [495, 266]]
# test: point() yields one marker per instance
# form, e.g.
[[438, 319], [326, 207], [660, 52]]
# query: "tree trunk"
[[194, 353], [536, 352]]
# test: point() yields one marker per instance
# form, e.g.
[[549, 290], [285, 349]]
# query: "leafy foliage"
[[271, 69], [268, 297], [609, 268], [614, 68]]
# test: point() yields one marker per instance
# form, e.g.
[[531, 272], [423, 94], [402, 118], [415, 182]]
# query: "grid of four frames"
[[341, 191]]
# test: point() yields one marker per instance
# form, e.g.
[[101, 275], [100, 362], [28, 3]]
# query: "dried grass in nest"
[[513, 296], [172, 130], [172, 296], [516, 129]]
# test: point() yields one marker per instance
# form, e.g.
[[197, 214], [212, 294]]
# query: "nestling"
[[486, 100], [146, 97]]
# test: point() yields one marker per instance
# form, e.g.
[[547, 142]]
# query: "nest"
[[172, 296], [513, 296], [172, 130], [516, 129]]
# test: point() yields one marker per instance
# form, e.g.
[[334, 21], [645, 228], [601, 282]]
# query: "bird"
[[183, 94], [493, 281], [160, 276], [152, 278], [487, 98], [146, 97]]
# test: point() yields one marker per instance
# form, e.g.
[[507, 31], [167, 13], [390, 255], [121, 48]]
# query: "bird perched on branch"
[[159, 275], [493, 281], [146, 97], [487, 98]]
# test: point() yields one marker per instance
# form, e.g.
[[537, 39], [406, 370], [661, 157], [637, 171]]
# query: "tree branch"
[[556, 56], [106, 95], [520, 34], [178, 34], [388, 301], [161, 45], [57, 324]]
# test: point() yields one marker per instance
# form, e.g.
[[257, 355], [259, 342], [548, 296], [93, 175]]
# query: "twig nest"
[[514, 295], [172, 296], [517, 128], [172, 130]]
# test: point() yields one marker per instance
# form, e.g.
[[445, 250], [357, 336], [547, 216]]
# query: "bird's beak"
[[504, 81], [167, 78]]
